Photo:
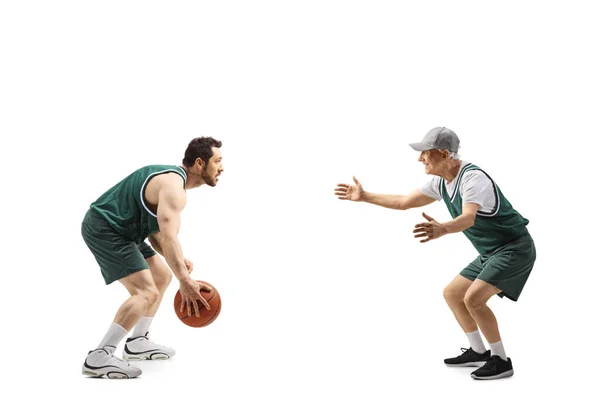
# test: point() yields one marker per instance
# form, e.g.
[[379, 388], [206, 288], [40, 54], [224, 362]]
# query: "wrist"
[[445, 229], [184, 277]]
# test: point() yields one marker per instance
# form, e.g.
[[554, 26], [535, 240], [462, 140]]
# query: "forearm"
[[173, 254], [393, 201], [459, 223], [155, 243]]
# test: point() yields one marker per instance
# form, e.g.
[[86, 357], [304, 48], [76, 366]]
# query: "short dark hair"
[[200, 147]]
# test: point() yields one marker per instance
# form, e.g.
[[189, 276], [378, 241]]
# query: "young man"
[[494, 227], [146, 204]]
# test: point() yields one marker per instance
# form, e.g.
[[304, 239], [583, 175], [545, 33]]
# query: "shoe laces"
[[492, 363], [465, 352]]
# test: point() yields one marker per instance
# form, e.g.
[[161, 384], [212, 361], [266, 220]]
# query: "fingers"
[[343, 185], [423, 228], [342, 194], [426, 240], [427, 217], [423, 225], [205, 287], [196, 308], [204, 302], [422, 234], [356, 180]]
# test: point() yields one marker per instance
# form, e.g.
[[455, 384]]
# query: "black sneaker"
[[469, 358], [494, 368]]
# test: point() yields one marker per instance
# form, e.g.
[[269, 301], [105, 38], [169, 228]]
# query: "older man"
[[496, 230]]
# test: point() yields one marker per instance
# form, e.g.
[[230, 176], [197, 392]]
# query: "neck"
[[193, 180], [451, 170]]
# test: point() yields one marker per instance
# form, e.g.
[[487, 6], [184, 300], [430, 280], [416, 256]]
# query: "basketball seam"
[[215, 315]]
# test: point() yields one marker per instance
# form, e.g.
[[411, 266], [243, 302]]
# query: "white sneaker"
[[142, 348], [102, 362]]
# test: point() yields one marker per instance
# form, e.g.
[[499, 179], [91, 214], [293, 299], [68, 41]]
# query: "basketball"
[[206, 317]]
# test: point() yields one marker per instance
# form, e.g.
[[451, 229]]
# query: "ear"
[[200, 163]]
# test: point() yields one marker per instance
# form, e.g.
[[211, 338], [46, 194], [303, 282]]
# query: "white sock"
[[476, 342], [113, 337], [498, 350], [142, 327]]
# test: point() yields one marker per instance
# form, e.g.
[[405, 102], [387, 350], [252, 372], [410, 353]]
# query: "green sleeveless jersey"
[[124, 205], [492, 230]]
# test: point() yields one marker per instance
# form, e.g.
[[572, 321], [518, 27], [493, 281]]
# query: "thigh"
[[138, 282], [480, 292], [458, 286], [160, 270], [116, 256]]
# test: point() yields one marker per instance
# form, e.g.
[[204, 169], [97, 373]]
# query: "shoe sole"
[[499, 376], [109, 374], [468, 364], [141, 357]]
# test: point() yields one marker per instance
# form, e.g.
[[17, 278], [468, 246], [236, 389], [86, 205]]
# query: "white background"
[[322, 299]]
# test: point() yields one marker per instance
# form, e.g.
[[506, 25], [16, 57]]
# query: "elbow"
[[402, 206], [471, 222]]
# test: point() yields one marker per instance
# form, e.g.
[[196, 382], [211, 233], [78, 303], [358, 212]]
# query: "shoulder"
[[475, 177], [168, 187], [431, 188], [474, 174]]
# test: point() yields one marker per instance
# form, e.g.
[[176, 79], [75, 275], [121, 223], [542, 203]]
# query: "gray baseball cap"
[[438, 138]]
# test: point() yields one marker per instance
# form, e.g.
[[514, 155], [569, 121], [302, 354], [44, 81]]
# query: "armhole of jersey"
[[164, 171], [496, 197], [184, 176]]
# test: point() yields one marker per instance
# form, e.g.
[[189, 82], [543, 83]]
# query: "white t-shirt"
[[475, 187]]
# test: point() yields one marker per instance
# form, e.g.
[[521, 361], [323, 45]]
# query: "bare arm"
[[155, 243], [464, 220], [394, 201], [432, 229], [171, 201], [397, 201]]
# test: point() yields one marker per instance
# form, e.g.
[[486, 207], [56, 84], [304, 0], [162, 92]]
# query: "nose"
[[421, 159]]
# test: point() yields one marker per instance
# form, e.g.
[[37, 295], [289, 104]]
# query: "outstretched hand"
[[350, 192], [429, 230]]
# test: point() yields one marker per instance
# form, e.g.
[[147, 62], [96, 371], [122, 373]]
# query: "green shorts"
[[507, 268], [117, 256]]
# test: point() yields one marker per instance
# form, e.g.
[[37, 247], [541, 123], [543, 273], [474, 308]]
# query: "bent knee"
[[453, 294], [150, 294], [473, 301]]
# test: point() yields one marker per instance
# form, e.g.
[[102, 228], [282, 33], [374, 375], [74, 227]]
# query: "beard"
[[210, 181]]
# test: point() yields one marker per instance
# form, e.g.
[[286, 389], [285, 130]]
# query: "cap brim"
[[421, 146]]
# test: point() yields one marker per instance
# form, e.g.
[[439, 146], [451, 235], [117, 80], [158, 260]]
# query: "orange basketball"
[[206, 316]]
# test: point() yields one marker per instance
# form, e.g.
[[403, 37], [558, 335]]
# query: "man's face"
[[214, 167], [432, 160]]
